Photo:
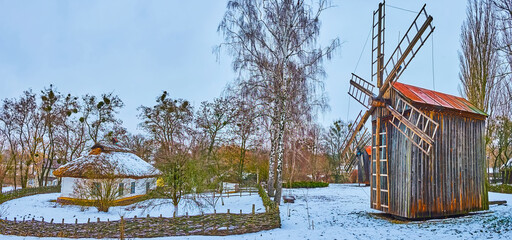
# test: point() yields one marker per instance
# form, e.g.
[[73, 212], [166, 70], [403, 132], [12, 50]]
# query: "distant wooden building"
[[363, 165], [450, 180]]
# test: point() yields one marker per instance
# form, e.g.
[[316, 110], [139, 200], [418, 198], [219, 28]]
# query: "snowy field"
[[342, 212], [41, 206]]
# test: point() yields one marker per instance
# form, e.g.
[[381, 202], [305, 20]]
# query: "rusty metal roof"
[[433, 98]]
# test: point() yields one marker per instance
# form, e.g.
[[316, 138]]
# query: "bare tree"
[[51, 122], [501, 144], [212, 119], [479, 59], [30, 130], [276, 53], [504, 23], [98, 114], [243, 129], [333, 140], [142, 146], [168, 122], [8, 129], [6, 163], [73, 135]]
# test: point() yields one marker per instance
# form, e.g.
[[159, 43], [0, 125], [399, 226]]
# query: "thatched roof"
[[107, 161]]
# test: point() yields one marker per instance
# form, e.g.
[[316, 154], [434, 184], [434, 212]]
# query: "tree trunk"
[[271, 167], [279, 162], [176, 210], [14, 170]]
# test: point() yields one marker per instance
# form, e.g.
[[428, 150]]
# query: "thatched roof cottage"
[[134, 176]]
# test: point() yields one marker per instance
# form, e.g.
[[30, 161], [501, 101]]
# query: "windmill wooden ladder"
[[380, 169]]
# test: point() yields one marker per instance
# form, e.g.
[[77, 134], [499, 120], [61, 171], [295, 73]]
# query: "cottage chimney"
[[96, 149]]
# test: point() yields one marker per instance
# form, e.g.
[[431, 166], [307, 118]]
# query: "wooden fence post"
[[63, 221], [240, 211], [253, 209], [51, 221], [88, 220], [98, 220], [121, 228]]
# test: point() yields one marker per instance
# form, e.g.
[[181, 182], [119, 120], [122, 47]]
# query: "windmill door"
[[379, 180]]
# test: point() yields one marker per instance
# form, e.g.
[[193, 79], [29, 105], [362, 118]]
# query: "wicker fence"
[[18, 193]]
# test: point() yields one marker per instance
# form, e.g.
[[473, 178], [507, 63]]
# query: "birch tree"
[[275, 51]]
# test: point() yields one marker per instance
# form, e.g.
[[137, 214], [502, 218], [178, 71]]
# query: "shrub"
[[502, 188], [267, 202], [306, 185]]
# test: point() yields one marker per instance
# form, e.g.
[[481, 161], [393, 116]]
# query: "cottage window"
[[96, 188], [121, 189], [132, 188]]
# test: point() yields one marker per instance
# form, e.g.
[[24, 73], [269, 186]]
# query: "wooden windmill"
[[413, 171], [386, 73]]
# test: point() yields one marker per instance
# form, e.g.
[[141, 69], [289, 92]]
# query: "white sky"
[[137, 49]]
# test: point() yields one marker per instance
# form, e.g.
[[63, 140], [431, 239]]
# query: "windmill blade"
[[379, 22], [354, 130], [408, 47], [361, 90], [413, 124], [362, 141]]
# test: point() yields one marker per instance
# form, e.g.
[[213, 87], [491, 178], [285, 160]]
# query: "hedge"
[[502, 188], [306, 185], [267, 202], [18, 193]]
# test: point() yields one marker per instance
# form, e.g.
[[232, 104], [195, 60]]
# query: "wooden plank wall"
[[449, 182]]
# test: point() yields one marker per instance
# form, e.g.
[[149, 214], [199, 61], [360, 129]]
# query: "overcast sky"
[[137, 49]]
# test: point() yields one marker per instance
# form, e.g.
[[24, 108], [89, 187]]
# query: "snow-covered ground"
[[9, 188], [342, 211], [41, 206]]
